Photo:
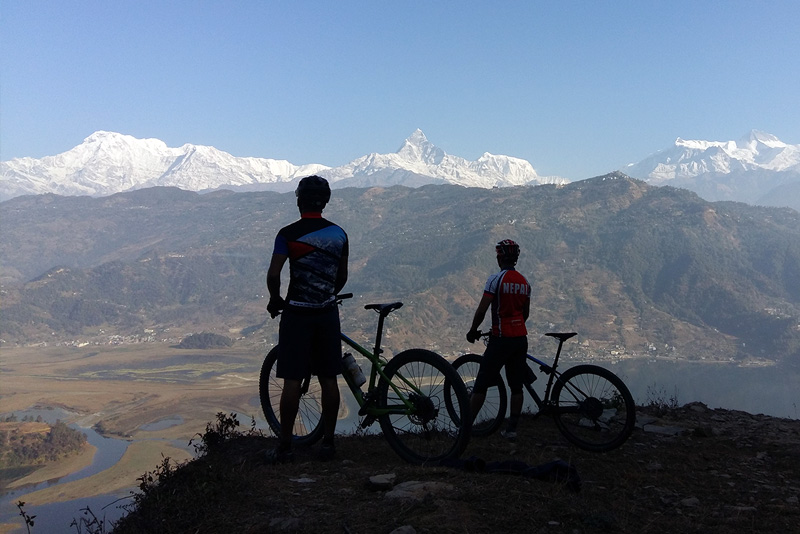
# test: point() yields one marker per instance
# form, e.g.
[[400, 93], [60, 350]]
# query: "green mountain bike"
[[417, 397], [591, 406]]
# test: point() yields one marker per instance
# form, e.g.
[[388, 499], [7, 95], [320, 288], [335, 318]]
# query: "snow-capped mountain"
[[748, 170], [420, 161], [107, 163]]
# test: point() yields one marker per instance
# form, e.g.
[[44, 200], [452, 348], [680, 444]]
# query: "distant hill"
[[635, 269]]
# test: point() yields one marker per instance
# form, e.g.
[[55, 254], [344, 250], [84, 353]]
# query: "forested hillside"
[[634, 269]]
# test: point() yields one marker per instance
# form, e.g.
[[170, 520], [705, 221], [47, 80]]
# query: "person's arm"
[[341, 272], [526, 310], [480, 313], [274, 283]]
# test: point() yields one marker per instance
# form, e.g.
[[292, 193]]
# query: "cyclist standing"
[[508, 294], [309, 332]]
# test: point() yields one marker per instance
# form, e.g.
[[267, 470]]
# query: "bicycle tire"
[[593, 408], [308, 423], [430, 433], [491, 415]]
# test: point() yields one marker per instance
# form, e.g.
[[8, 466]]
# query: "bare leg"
[[290, 403], [330, 407]]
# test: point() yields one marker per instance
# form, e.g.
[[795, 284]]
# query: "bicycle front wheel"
[[593, 408], [429, 407], [490, 417], [308, 423]]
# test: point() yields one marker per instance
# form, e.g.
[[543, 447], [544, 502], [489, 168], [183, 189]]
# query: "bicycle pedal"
[[367, 421]]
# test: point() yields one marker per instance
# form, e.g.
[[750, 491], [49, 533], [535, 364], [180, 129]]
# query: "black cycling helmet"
[[314, 191], [507, 250]]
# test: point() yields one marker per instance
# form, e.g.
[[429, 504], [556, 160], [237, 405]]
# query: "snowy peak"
[[107, 162], [417, 148], [688, 159], [758, 169], [756, 137], [419, 162]]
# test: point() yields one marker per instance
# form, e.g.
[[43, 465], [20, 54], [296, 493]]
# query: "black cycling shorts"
[[309, 343], [503, 351]]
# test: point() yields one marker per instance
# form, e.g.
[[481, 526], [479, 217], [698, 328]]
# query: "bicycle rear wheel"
[[493, 412], [430, 430], [308, 423], [593, 408]]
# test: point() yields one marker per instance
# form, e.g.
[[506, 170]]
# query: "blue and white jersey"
[[315, 247]]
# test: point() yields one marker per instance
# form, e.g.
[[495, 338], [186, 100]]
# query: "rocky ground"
[[687, 469]]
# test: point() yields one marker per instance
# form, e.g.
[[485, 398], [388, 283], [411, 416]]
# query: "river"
[[55, 518]]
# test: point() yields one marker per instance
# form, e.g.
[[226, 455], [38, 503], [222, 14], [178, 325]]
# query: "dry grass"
[[731, 472]]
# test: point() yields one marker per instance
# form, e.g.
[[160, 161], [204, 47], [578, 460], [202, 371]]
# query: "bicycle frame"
[[366, 400], [544, 403], [591, 406]]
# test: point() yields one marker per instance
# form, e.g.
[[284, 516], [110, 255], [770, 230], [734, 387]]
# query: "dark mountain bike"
[[406, 395], [591, 406]]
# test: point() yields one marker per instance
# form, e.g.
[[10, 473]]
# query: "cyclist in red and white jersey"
[[508, 294]]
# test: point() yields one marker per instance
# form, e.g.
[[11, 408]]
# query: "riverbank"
[[140, 456], [61, 468]]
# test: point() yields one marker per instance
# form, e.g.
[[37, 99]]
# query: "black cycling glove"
[[275, 306], [473, 335]]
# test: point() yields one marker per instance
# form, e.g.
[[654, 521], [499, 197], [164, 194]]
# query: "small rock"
[[304, 480], [642, 420], [405, 529], [697, 407], [416, 490], [382, 482]]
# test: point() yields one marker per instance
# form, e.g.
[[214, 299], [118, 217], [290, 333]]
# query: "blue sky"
[[578, 88]]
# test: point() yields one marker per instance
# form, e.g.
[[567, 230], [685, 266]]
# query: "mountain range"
[[635, 269], [757, 169], [107, 163]]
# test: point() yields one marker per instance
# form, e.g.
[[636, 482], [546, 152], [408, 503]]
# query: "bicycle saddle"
[[561, 336], [384, 309]]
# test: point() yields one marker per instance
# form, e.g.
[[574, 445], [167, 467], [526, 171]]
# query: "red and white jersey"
[[511, 294]]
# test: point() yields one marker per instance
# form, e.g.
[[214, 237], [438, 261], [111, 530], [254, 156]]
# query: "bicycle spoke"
[[426, 431], [594, 408], [307, 428], [493, 411]]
